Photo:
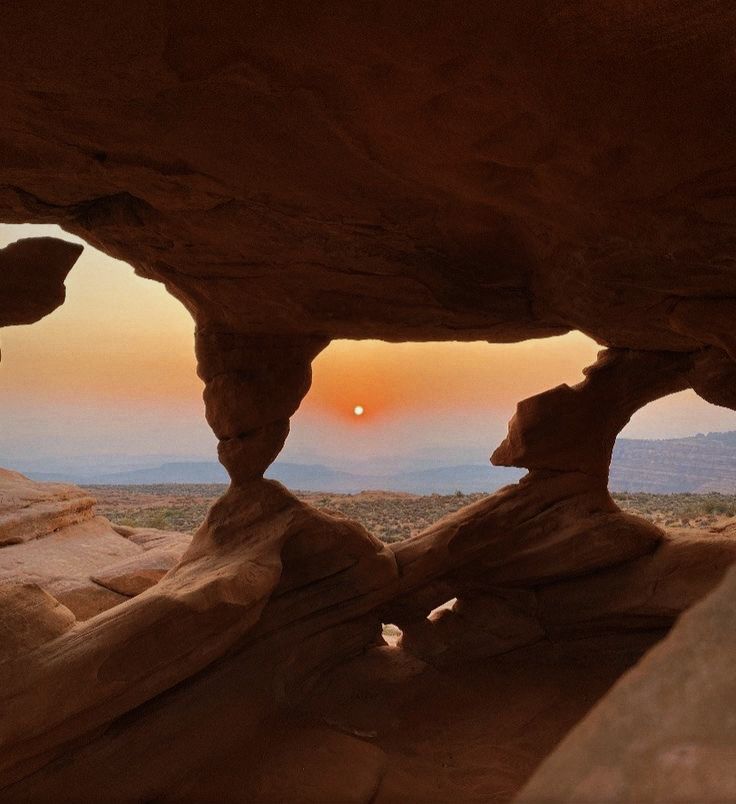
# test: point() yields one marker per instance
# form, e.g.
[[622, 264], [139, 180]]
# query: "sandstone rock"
[[471, 731], [62, 562], [134, 575], [547, 526], [154, 538], [708, 320], [305, 763], [563, 429], [29, 617], [460, 188], [475, 627], [665, 732], [235, 699], [713, 377], [648, 592], [32, 274], [437, 740], [252, 386], [203, 608], [30, 510], [434, 171]]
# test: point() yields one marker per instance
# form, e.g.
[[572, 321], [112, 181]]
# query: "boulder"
[[665, 732]]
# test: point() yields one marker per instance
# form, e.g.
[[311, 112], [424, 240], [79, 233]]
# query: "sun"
[[358, 410]]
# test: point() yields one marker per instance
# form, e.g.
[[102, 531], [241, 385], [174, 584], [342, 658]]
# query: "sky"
[[109, 379]]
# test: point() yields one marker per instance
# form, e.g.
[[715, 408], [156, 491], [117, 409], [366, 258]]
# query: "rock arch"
[[295, 176]]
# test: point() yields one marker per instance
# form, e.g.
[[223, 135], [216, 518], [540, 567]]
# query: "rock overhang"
[[439, 173], [435, 172]]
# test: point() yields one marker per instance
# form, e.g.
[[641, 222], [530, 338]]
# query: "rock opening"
[[297, 176]]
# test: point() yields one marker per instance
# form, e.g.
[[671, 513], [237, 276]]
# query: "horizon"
[[112, 373], [119, 462]]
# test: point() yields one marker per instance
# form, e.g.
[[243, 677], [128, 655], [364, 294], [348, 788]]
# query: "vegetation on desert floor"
[[681, 510], [390, 516], [171, 506]]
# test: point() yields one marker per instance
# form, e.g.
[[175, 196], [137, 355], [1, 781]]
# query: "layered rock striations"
[[294, 175]]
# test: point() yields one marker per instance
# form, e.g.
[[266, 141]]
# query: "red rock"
[[154, 538], [134, 575], [30, 510], [665, 731], [32, 274], [63, 562], [29, 617], [296, 174], [649, 592]]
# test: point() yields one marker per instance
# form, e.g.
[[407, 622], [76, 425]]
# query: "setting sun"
[[358, 410]]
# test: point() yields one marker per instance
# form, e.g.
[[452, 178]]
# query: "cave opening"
[[483, 580], [391, 634], [678, 444], [626, 565], [392, 435], [94, 396]]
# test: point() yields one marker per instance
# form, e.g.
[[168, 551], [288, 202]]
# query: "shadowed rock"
[[296, 174], [29, 617], [32, 274], [665, 732]]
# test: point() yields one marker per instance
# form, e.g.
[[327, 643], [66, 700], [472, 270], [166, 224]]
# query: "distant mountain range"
[[697, 464], [310, 477]]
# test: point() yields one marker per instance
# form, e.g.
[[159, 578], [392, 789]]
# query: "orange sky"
[[113, 370], [395, 379]]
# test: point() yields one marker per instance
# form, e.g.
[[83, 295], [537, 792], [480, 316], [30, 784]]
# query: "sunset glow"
[[113, 370]]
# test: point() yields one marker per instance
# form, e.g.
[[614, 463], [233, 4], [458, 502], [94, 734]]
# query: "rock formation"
[[52, 542], [296, 174], [32, 274]]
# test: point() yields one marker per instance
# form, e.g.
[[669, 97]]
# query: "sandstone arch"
[[297, 175]]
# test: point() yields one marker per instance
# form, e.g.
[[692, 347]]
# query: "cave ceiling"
[[453, 172]]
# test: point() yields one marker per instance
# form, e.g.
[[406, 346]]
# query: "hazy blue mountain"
[[696, 464], [174, 472], [308, 477], [443, 480]]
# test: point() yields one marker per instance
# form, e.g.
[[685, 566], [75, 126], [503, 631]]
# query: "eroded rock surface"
[[29, 617], [665, 733], [436, 171], [50, 538], [31, 510], [431, 172], [32, 274], [62, 563]]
